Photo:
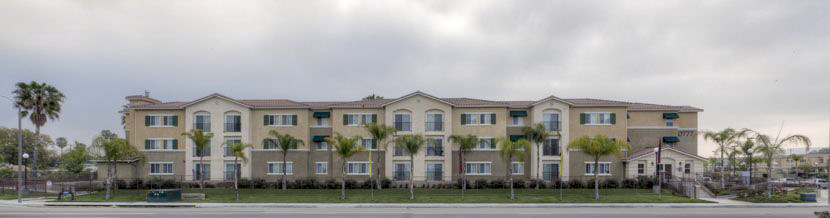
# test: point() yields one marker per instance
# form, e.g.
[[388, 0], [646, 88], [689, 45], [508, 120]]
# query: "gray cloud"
[[749, 63]]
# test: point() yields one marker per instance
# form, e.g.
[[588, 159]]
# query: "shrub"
[[645, 182], [481, 183], [575, 183], [533, 182], [385, 183], [331, 184], [629, 183], [259, 183], [589, 183], [497, 183], [459, 183], [351, 184], [519, 183], [611, 183], [244, 183], [558, 184]]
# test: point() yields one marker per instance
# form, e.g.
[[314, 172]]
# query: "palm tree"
[[466, 143], [345, 148], [201, 141], [796, 158], [597, 147], [769, 147], [537, 134], [412, 144], [61, 143], [723, 138], [510, 149], [238, 151], [41, 102], [747, 148], [113, 150], [381, 133], [285, 143]]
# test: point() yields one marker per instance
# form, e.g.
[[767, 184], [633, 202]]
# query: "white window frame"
[[278, 120], [161, 169], [317, 168], [403, 112], [427, 120], [278, 168], [377, 146], [321, 122], [478, 118], [318, 148], [225, 121], [668, 121], [600, 173], [360, 163], [638, 169], [159, 121], [476, 173], [359, 120], [513, 120], [160, 142], [478, 145], [597, 114], [203, 114], [513, 167], [225, 144]]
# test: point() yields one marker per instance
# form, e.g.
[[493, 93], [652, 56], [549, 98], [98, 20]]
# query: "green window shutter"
[[175, 120], [493, 143], [374, 118], [492, 118], [294, 120], [583, 118], [345, 119], [613, 118], [463, 119], [175, 144], [147, 143], [265, 120], [147, 120]]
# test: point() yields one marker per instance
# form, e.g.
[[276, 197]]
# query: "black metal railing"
[[233, 127], [401, 175], [550, 149], [203, 126], [551, 125], [435, 151], [403, 126], [435, 126], [436, 175], [198, 152]]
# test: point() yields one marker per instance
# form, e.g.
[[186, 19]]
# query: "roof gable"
[[417, 93], [215, 95], [552, 98]]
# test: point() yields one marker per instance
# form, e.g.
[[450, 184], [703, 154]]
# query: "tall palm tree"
[[285, 143], [61, 143], [597, 147], [381, 133], [345, 148], [796, 159], [769, 147], [466, 143], [747, 148], [238, 151], [412, 144], [510, 149], [113, 150], [201, 141], [537, 134], [723, 138], [41, 102]]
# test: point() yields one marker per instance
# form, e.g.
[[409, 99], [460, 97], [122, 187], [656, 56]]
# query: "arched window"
[[201, 121], [551, 120], [233, 121]]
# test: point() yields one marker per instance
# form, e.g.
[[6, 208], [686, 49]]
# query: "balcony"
[[401, 175], [434, 126], [435, 151], [550, 150], [436, 175], [403, 126], [551, 125]]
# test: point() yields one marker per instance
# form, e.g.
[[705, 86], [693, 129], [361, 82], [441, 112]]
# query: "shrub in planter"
[[481, 183], [533, 182], [258, 183], [244, 183], [459, 183], [645, 182], [629, 183], [331, 184], [385, 183], [517, 183], [611, 183], [559, 184], [589, 183], [351, 184], [575, 183]]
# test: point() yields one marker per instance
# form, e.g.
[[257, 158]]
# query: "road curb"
[[276, 205]]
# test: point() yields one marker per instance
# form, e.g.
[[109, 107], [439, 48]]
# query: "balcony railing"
[[437, 175], [401, 175], [551, 125], [403, 126], [435, 151], [197, 152], [550, 150], [436, 126], [233, 127]]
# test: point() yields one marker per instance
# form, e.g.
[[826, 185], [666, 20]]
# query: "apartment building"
[[156, 128]]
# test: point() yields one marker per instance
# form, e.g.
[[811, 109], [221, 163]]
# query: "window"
[[197, 152], [357, 168], [201, 171], [641, 169], [403, 121], [435, 147], [550, 171], [276, 168], [517, 121], [478, 168], [597, 118], [518, 168], [400, 151], [280, 120], [233, 123], [369, 144], [230, 170], [321, 145], [227, 147], [201, 121], [478, 118], [435, 171], [161, 168], [269, 144], [321, 122], [321, 168], [161, 120], [486, 144], [550, 147], [359, 119], [402, 171], [604, 169], [161, 144], [687, 168], [434, 122], [669, 122], [551, 121]]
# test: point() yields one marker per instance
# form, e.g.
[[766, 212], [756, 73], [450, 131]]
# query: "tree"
[[345, 148], [74, 160], [411, 144], [61, 143], [285, 143], [113, 150], [466, 143], [597, 147], [41, 102], [747, 148], [723, 138], [373, 97], [201, 141], [537, 134], [238, 151], [381, 133], [8, 145], [771, 146], [510, 149], [796, 159]]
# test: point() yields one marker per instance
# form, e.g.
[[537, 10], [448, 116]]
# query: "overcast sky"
[[749, 64]]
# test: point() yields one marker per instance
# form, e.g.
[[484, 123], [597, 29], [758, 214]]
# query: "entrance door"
[[668, 170]]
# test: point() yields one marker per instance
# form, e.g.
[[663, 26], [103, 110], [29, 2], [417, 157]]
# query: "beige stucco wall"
[[617, 130], [301, 131], [564, 135], [218, 107], [687, 120], [349, 131], [417, 106], [497, 130], [645, 118], [139, 132]]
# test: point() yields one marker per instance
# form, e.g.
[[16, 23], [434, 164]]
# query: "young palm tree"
[[345, 148], [466, 143], [769, 147], [41, 102], [381, 133], [285, 143], [747, 148], [796, 158], [61, 143], [597, 147], [510, 149], [201, 141], [113, 150], [412, 144], [238, 151], [537, 134], [723, 138]]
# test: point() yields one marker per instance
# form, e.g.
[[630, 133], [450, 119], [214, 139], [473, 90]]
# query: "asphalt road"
[[67, 212]]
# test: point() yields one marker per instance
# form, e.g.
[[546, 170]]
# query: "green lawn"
[[12, 194], [221, 195]]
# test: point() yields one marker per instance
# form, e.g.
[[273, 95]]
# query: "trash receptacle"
[[808, 197], [164, 195]]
